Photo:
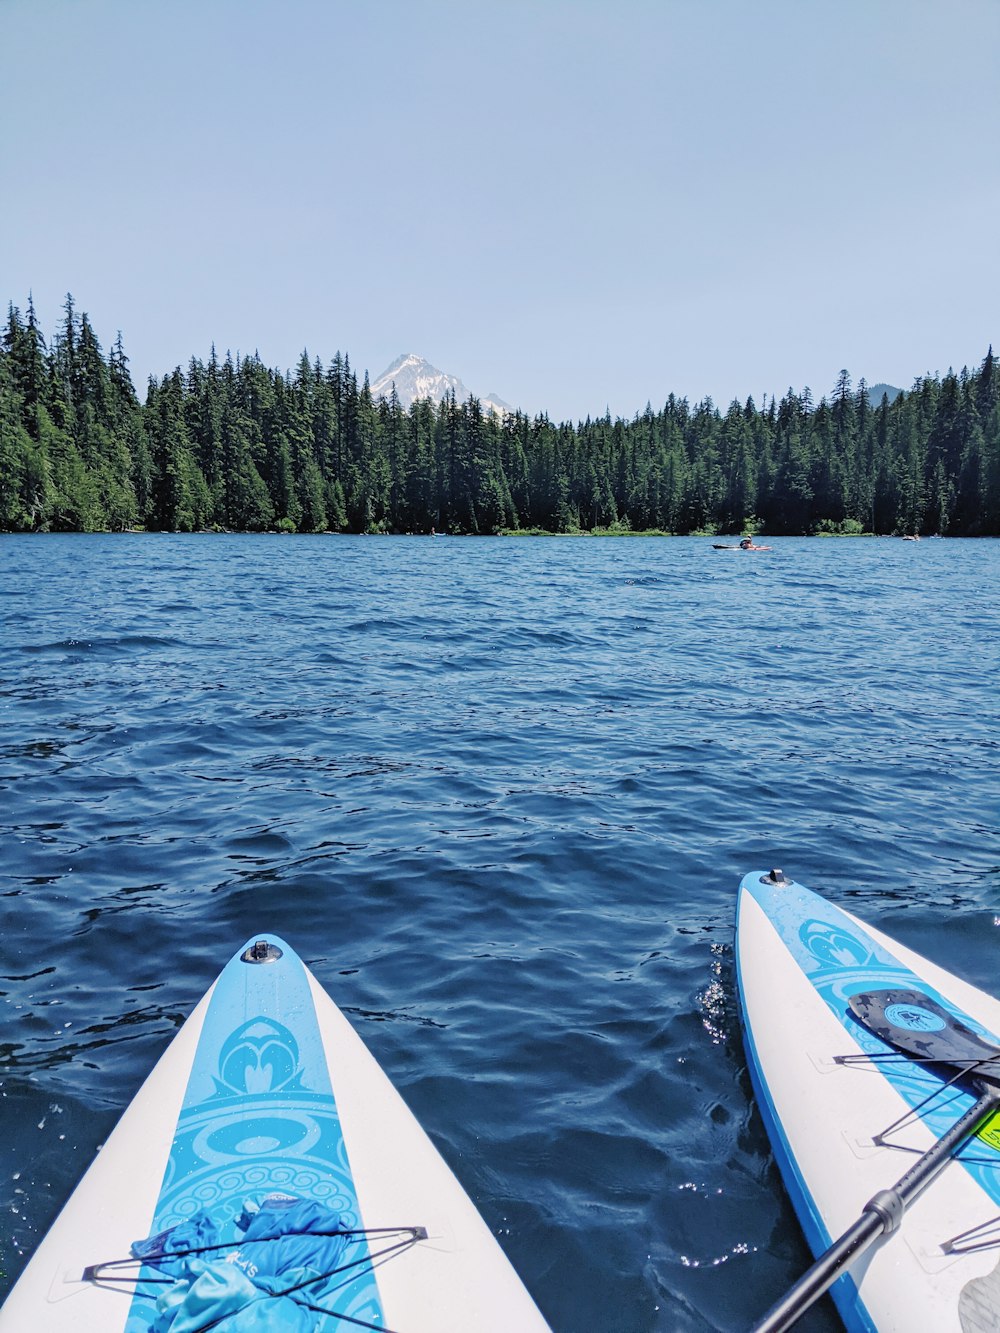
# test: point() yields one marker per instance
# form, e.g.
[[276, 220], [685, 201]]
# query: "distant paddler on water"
[[746, 544]]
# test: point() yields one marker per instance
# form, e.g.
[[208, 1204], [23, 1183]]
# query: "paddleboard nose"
[[261, 951]]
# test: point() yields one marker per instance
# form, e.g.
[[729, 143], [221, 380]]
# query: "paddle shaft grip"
[[881, 1216]]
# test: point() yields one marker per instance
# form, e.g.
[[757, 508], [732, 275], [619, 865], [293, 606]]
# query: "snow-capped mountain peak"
[[416, 378]]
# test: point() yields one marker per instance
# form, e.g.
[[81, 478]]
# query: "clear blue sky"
[[569, 203]]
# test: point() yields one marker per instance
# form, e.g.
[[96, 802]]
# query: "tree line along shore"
[[231, 444]]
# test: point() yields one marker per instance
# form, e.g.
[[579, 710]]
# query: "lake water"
[[499, 794]]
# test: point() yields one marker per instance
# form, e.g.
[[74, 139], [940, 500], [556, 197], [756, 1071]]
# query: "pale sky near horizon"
[[573, 204]]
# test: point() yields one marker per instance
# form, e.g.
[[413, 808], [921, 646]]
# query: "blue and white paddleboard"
[[799, 960], [279, 1183]]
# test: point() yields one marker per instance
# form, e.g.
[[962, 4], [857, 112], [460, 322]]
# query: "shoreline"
[[507, 533]]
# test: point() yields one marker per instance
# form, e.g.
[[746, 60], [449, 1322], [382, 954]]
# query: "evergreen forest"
[[234, 445]]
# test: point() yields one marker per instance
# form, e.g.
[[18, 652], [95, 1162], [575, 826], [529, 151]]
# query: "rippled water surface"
[[499, 794]]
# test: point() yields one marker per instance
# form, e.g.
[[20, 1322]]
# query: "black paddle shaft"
[[880, 1216]]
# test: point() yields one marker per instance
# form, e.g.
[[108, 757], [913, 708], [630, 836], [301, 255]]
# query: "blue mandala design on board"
[[261, 1056], [259, 1119]]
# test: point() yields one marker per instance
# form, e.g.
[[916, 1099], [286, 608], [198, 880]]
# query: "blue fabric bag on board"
[[288, 1243], [223, 1298], [287, 1232], [172, 1251]]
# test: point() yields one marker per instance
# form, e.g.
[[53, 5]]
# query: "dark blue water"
[[499, 794]]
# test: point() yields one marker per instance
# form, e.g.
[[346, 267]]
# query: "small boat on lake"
[[747, 544]]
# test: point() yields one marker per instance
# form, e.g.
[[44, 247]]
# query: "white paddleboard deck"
[[799, 959], [267, 1091]]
